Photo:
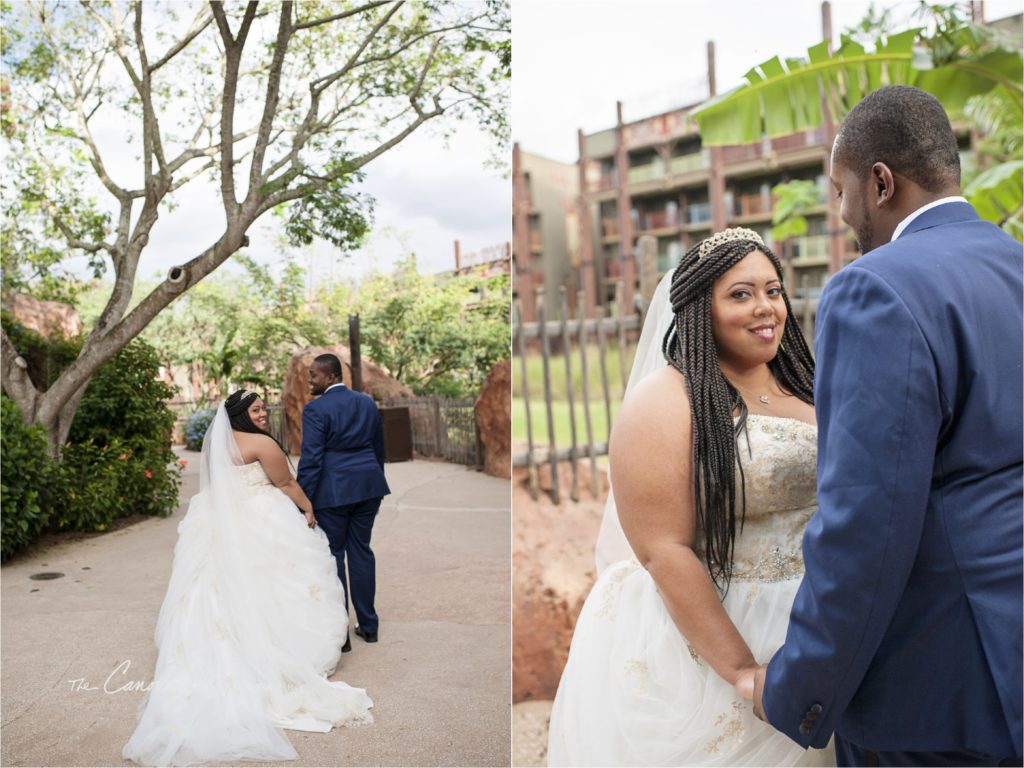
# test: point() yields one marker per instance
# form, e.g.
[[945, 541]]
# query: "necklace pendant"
[[764, 399]]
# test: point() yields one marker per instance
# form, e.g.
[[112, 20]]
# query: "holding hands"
[[749, 684]]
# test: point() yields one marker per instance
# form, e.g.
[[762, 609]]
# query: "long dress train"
[[252, 623]]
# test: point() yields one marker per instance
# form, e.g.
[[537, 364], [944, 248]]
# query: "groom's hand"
[[759, 676]]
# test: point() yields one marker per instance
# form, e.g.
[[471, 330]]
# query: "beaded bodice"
[[778, 456], [253, 476]]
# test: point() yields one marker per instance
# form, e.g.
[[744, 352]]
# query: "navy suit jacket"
[[342, 458], [907, 626]]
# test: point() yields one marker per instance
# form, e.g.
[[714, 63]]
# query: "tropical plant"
[[970, 68], [279, 105], [792, 200]]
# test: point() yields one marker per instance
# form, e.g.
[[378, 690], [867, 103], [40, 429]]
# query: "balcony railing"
[[751, 205], [697, 161], [698, 213], [609, 227], [606, 181], [659, 219], [648, 172], [535, 240], [810, 248]]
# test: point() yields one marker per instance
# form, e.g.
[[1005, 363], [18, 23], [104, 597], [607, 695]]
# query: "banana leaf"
[[779, 99]]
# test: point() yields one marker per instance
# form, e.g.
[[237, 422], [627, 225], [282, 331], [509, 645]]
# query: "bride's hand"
[[310, 519], [744, 683]]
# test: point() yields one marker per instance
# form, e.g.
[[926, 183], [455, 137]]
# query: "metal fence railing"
[[444, 428]]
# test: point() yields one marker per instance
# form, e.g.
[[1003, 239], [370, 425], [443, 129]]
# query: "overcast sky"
[[573, 59]]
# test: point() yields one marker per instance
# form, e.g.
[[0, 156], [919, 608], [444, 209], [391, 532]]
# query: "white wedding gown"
[[634, 692], [252, 623]]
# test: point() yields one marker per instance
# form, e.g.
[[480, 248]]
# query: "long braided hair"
[[237, 407], [689, 347]]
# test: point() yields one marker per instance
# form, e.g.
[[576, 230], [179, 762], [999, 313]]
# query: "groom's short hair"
[[905, 128], [329, 363]]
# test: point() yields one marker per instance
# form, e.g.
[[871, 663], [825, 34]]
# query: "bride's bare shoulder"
[[657, 407], [253, 446]]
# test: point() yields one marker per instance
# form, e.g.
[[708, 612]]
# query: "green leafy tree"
[[279, 104], [436, 335], [975, 72]]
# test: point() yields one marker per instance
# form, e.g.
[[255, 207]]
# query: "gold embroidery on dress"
[[613, 586], [733, 727], [694, 655], [638, 674]]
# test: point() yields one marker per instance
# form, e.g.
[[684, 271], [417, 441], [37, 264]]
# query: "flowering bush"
[[196, 426], [117, 461]]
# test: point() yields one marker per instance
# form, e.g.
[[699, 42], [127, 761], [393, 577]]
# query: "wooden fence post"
[[574, 493], [355, 358]]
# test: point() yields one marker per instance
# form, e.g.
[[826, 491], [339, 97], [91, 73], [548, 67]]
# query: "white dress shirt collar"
[[935, 203], [339, 384]]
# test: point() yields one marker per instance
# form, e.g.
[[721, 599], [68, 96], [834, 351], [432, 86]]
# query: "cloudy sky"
[[573, 59]]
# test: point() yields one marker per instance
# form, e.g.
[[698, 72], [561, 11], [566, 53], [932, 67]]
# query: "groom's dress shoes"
[[370, 637], [348, 643]]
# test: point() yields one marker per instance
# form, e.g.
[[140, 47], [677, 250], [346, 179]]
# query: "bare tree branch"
[[338, 16], [233, 53], [198, 25], [328, 80], [75, 242], [284, 32], [15, 376], [95, 159], [113, 33]]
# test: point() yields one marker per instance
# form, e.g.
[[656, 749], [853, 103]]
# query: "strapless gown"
[[251, 625], [634, 692]]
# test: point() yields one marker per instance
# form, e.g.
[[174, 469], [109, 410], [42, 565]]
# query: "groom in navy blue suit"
[[905, 638], [341, 470]]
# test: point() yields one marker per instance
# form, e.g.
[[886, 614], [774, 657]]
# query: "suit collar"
[[947, 213], [338, 386]]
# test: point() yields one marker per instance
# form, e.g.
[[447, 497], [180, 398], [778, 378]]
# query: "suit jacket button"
[[805, 727], [816, 708]]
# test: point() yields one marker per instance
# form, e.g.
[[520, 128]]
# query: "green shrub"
[[123, 417], [118, 459], [93, 486], [27, 480], [196, 426]]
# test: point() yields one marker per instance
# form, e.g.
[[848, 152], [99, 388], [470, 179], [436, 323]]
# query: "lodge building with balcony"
[[654, 177]]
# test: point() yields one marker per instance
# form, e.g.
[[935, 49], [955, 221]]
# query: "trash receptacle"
[[397, 434]]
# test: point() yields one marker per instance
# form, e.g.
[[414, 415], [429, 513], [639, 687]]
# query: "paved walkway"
[[439, 677]]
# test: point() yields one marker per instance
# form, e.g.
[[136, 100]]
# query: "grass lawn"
[[535, 373], [560, 412]]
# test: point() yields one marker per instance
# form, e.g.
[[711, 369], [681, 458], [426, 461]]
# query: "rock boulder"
[[493, 412], [552, 573], [47, 318]]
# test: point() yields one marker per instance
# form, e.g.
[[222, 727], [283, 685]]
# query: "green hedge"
[[28, 475], [117, 461]]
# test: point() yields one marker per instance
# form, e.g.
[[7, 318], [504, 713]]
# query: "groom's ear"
[[883, 184]]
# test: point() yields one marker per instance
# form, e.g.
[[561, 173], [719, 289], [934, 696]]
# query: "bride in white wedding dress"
[[699, 555], [254, 617]]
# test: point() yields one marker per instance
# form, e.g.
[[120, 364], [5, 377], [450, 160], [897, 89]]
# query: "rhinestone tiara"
[[728, 236]]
